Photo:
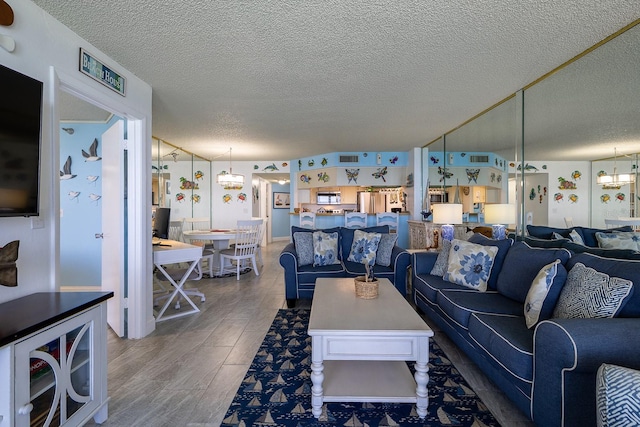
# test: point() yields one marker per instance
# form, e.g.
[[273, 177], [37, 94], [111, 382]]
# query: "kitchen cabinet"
[[53, 351], [349, 195]]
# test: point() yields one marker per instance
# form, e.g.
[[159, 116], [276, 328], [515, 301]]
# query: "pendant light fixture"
[[230, 181], [615, 180]]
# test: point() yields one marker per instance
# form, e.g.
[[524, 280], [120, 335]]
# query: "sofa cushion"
[[544, 292], [521, 265], [346, 237], [429, 285], [364, 247], [325, 248], [591, 294], [470, 264], [544, 232], [619, 240], [617, 396], [624, 269], [385, 248], [459, 305], [536, 242], [304, 248], [506, 340], [440, 267], [503, 247]]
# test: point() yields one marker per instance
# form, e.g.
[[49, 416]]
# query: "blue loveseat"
[[300, 280], [548, 370]]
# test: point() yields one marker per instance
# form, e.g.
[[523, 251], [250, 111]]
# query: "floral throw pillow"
[[325, 248], [470, 264], [619, 240], [364, 247]]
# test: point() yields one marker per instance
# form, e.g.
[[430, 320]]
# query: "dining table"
[[219, 239]]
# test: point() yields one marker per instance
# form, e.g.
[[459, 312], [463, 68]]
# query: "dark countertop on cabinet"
[[26, 315]]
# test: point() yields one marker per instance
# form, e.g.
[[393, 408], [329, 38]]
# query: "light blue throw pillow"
[[590, 294], [385, 247], [442, 262], [364, 247], [619, 240], [576, 237], [617, 396], [304, 247], [325, 248], [470, 264]]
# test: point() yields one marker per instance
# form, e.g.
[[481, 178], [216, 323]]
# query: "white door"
[[113, 224]]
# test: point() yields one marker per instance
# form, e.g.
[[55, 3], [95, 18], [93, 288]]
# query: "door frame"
[[138, 264]]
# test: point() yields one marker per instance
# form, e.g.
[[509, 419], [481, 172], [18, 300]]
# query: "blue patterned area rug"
[[276, 390]]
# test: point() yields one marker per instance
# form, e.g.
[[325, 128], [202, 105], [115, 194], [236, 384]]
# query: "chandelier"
[[616, 180], [229, 180]]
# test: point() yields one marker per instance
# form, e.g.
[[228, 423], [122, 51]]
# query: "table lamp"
[[499, 215], [447, 214]]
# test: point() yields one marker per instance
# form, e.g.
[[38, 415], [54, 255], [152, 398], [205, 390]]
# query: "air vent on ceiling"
[[479, 159], [348, 159]]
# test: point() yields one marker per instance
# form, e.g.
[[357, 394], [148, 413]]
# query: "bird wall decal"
[[65, 173], [92, 156]]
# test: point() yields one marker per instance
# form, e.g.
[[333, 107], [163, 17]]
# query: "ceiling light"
[[616, 180], [282, 182], [230, 181]]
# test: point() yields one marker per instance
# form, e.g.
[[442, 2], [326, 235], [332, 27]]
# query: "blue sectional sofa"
[[548, 370], [300, 280]]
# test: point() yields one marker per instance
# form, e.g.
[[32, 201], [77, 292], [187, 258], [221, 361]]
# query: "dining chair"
[[259, 247], [208, 250], [248, 234], [175, 230], [568, 221], [308, 219], [388, 218], [355, 220]]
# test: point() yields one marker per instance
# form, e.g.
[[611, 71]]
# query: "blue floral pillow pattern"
[[619, 240], [385, 247], [590, 294], [304, 247], [364, 247], [470, 264], [543, 293], [325, 248]]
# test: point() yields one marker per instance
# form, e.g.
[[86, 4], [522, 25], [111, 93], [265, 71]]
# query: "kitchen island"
[[330, 220]]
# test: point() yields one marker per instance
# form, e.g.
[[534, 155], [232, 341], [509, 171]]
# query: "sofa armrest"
[[423, 262], [567, 354], [289, 261], [400, 261]]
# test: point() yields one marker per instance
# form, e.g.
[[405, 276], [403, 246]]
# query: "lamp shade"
[[447, 213], [500, 213]]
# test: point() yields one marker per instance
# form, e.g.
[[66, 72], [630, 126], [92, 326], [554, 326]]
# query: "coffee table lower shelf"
[[368, 381]]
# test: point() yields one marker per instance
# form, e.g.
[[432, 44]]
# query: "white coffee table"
[[359, 347]]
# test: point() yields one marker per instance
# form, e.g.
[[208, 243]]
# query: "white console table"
[[53, 359], [425, 235]]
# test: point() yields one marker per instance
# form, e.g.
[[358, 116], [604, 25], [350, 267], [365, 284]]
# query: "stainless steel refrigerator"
[[373, 202]]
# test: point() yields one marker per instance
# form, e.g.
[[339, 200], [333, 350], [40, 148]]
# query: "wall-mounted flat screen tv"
[[20, 126]]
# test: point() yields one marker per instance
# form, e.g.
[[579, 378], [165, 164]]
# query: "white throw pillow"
[[470, 264]]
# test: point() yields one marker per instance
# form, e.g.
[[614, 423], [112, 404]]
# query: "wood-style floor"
[[187, 371]]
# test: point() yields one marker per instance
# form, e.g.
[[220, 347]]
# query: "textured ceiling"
[[289, 79]]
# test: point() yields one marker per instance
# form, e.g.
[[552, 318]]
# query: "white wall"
[[47, 50], [226, 214]]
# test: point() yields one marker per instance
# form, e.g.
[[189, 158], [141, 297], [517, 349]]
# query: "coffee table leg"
[[316, 389], [422, 398]]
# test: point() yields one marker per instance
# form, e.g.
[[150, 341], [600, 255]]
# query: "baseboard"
[[280, 239]]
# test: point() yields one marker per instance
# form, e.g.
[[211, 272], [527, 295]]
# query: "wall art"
[[352, 174], [281, 200], [92, 155], [380, 173]]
